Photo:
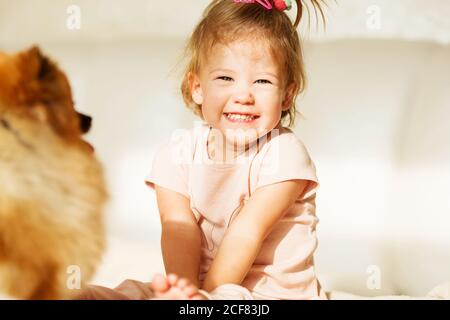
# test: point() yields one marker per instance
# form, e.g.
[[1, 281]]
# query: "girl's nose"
[[244, 95]]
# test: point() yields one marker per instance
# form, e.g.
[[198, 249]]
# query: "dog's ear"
[[33, 67], [19, 83], [38, 65], [30, 63]]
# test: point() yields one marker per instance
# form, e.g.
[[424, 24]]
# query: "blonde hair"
[[225, 21]]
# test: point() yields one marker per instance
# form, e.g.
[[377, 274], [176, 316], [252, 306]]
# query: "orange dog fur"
[[52, 190]]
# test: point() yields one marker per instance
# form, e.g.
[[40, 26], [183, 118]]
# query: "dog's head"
[[34, 86]]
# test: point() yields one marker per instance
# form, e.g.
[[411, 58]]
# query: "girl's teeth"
[[240, 117]]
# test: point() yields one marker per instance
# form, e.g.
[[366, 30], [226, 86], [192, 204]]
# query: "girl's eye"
[[225, 78], [264, 81]]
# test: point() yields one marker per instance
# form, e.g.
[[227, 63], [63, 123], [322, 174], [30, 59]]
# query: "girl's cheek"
[[269, 97], [219, 93], [268, 91]]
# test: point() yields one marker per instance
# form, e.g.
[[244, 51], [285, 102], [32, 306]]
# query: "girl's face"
[[241, 78]]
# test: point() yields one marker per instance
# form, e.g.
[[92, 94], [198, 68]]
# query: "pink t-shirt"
[[284, 268]]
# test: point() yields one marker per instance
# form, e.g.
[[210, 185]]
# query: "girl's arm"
[[180, 237], [242, 242]]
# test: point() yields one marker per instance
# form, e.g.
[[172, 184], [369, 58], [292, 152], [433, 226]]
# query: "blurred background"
[[376, 121]]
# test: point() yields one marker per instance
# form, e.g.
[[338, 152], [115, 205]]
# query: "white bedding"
[[441, 292]]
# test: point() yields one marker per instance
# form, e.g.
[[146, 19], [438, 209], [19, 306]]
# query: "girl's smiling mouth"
[[241, 117]]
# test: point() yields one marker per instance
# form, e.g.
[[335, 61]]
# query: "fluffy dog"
[[52, 190]]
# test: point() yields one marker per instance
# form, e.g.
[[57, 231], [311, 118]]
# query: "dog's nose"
[[85, 122]]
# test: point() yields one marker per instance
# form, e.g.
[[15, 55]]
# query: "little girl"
[[236, 194]]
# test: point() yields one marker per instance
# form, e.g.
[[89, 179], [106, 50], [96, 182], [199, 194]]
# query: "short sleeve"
[[169, 166], [288, 159]]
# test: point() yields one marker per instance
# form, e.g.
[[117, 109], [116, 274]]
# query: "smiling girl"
[[236, 194], [238, 221]]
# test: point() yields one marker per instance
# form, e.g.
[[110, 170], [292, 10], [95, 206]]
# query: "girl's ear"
[[289, 96], [196, 89]]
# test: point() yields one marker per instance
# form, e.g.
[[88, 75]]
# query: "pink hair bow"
[[279, 4]]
